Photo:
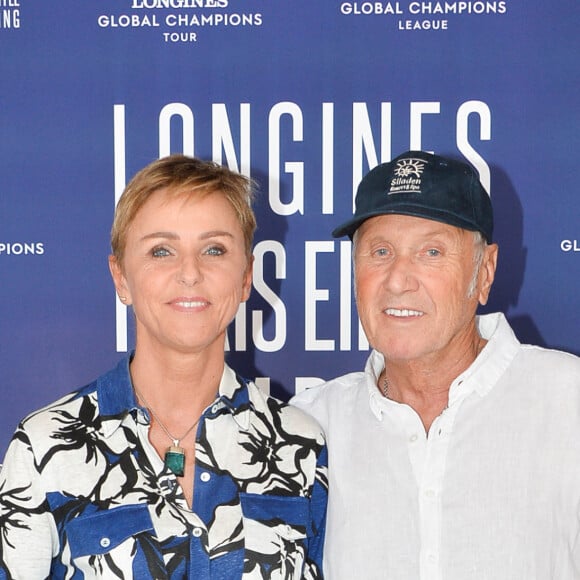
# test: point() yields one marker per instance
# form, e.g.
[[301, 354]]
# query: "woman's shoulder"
[[283, 415], [110, 395], [68, 406]]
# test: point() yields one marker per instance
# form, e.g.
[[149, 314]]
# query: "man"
[[455, 455]]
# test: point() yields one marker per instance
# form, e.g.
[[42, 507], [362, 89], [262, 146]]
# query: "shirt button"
[[197, 532], [432, 557], [430, 493], [215, 409], [205, 476], [105, 542], [413, 438]]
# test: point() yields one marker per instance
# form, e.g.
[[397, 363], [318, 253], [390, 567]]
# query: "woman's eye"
[[160, 252], [215, 251]]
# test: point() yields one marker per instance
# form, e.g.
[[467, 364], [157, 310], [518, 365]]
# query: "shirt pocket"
[[276, 532], [102, 541]]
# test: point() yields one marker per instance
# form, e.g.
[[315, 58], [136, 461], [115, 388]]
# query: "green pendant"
[[175, 460]]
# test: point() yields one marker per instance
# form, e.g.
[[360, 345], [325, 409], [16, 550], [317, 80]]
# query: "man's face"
[[414, 286]]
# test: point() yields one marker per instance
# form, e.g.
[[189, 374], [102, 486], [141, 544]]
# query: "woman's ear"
[[247, 281], [119, 280]]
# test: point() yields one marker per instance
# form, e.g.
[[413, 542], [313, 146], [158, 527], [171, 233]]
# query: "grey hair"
[[479, 245]]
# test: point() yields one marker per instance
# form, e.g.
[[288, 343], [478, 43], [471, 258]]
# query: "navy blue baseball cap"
[[423, 185]]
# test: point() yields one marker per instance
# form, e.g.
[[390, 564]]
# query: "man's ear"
[[487, 272]]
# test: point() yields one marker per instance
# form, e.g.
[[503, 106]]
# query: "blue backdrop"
[[305, 97]]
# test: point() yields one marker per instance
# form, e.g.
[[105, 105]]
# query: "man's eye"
[[381, 252], [433, 252]]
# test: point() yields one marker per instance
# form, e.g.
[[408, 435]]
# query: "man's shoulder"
[[558, 363], [337, 392]]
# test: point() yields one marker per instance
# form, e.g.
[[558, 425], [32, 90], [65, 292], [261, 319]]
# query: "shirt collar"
[[373, 369], [115, 390], [491, 363], [233, 395], [480, 377], [117, 400]]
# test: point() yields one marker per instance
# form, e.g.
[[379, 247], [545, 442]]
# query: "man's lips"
[[403, 312]]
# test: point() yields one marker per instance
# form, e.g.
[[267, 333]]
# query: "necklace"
[[175, 455], [385, 388]]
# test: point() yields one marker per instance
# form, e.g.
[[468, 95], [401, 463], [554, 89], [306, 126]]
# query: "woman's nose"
[[189, 272]]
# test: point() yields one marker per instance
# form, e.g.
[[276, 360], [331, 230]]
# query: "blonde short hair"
[[183, 176]]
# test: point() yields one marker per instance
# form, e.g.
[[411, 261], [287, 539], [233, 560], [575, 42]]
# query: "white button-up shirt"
[[491, 493]]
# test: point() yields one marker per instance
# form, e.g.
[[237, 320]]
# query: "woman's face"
[[185, 271]]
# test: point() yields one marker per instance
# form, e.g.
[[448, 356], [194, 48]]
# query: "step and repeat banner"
[[304, 96]]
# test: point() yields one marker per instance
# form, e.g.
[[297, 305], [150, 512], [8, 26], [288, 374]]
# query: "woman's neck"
[[173, 382]]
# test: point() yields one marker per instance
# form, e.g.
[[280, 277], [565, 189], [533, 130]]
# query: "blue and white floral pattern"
[[84, 495]]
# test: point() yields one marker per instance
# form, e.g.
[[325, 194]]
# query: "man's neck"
[[424, 384]]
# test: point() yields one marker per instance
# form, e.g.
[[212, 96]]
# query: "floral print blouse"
[[83, 494]]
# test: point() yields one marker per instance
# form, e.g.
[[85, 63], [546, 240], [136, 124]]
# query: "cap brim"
[[349, 227]]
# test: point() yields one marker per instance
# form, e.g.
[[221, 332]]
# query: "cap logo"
[[407, 176]]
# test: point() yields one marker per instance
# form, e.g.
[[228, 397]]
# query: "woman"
[[170, 465]]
